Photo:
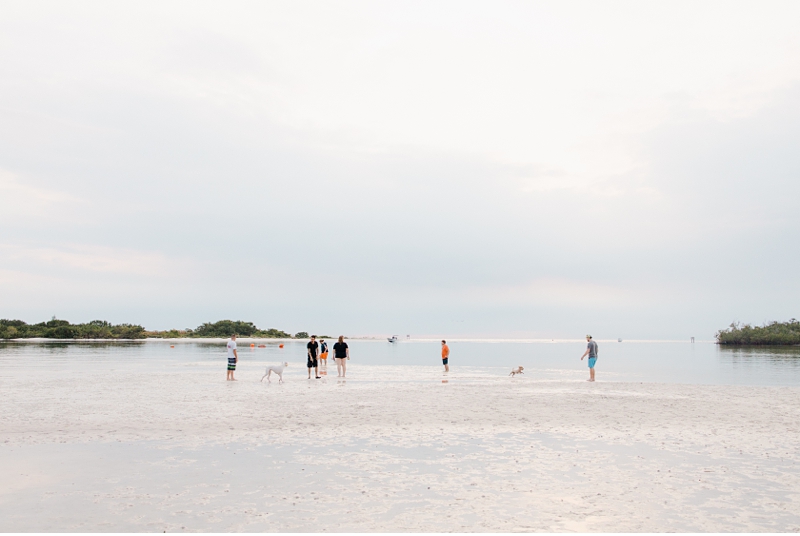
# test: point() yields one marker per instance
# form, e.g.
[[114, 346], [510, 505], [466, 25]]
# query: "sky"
[[453, 169]]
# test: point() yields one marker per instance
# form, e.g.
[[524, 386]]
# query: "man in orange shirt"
[[445, 356]]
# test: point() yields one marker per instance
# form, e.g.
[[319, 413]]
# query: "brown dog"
[[517, 370]]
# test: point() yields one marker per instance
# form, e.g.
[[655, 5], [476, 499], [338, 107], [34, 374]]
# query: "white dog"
[[277, 369], [517, 370]]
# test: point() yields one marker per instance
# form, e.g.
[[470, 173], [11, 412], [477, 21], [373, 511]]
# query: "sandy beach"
[[137, 447]]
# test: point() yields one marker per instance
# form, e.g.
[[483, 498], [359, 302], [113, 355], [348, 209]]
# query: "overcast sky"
[[509, 169]]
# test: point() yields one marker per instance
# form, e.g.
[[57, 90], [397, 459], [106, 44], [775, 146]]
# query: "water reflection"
[[776, 360], [760, 352], [671, 362], [78, 344]]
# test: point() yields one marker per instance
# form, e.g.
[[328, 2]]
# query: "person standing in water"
[[233, 358], [312, 348], [445, 356], [341, 353], [591, 351], [323, 352]]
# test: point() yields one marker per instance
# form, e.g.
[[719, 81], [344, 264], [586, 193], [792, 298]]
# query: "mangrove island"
[[101, 329], [773, 333]]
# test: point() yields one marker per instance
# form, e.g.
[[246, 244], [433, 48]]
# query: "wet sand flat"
[[176, 448]]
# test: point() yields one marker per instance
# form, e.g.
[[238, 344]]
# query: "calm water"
[[671, 362]]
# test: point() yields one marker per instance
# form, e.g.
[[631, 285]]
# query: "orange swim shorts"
[[324, 355]]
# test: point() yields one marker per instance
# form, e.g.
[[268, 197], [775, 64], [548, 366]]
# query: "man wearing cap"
[[591, 351]]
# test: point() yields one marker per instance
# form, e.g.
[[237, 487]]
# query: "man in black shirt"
[[312, 347], [341, 353]]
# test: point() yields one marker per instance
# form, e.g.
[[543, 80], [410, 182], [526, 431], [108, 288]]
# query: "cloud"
[[518, 166], [565, 293], [20, 200], [94, 260]]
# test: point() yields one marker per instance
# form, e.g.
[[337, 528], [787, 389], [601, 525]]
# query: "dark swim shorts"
[[444, 360], [231, 363], [311, 362]]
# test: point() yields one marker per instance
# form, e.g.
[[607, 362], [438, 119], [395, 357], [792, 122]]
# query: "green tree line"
[[773, 333], [222, 328], [62, 329], [100, 329]]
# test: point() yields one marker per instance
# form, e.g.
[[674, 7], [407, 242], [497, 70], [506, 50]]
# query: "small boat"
[[619, 340], [393, 338]]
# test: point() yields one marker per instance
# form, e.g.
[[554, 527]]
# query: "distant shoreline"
[[366, 339]]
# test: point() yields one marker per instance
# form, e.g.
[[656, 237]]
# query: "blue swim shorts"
[[592, 361], [444, 360]]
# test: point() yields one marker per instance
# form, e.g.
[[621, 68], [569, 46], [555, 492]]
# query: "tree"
[[225, 328]]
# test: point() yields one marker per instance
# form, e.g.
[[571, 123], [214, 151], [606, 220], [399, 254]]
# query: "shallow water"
[[664, 362], [144, 437]]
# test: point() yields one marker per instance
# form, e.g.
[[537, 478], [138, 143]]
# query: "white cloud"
[[20, 200], [87, 259], [414, 159]]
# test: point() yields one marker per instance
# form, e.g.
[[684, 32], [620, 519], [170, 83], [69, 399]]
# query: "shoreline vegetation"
[[101, 329], [771, 334]]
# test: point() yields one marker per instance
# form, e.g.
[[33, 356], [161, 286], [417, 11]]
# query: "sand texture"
[[176, 448]]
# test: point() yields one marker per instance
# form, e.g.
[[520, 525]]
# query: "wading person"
[[445, 356], [323, 352], [341, 353], [312, 348], [591, 351], [233, 358]]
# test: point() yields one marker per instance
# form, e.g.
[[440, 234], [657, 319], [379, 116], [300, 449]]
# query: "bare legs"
[[591, 375], [341, 367]]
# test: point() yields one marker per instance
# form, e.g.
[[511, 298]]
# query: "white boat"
[[393, 338]]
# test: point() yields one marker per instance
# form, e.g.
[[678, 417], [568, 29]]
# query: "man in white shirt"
[[233, 358]]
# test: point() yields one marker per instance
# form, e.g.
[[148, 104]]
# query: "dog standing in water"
[[277, 369], [517, 370]]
